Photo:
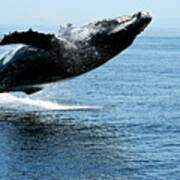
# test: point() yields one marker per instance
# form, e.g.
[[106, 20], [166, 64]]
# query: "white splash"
[[6, 98]]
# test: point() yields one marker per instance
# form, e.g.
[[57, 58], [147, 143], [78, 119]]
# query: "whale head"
[[97, 42], [114, 35]]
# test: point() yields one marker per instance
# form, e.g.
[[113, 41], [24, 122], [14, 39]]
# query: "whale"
[[41, 59]]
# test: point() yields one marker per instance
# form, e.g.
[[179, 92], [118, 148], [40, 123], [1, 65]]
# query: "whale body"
[[48, 58]]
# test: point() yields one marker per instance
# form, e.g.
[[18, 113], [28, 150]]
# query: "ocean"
[[118, 122]]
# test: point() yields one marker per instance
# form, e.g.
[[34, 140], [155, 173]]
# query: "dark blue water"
[[120, 121]]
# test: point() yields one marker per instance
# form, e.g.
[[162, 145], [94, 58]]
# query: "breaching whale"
[[48, 58]]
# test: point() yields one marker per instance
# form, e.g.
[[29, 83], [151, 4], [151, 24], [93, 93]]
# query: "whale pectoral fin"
[[32, 90], [29, 37]]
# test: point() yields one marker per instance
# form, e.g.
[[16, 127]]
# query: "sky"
[[55, 12]]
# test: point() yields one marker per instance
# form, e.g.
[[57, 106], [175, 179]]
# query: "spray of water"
[[8, 99]]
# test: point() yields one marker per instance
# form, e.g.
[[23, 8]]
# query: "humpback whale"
[[43, 59]]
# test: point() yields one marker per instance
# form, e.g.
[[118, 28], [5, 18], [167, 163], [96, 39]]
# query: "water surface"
[[120, 121]]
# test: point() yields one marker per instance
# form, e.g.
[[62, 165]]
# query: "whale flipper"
[[30, 37]]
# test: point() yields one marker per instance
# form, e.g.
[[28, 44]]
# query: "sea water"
[[120, 121]]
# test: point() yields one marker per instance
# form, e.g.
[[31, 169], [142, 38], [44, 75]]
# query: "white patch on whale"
[[8, 55]]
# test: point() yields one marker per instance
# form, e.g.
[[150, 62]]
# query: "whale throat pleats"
[[30, 37]]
